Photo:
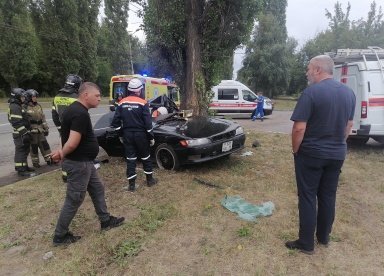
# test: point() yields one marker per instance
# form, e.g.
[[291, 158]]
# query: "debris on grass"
[[207, 183], [247, 153], [246, 210]]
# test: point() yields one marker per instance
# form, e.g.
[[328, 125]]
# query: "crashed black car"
[[179, 140]]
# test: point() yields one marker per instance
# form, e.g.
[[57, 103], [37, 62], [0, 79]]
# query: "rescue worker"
[[39, 129], [17, 117], [67, 95], [133, 116]]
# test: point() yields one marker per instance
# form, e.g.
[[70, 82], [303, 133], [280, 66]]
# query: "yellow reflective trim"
[[63, 101], [64, 173], [53, 107], [15, 116], [20, 128]]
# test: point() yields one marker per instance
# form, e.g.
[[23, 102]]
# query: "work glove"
[[26, 138], [151, 142]]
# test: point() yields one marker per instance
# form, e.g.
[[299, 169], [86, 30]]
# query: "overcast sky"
[[305, 18]]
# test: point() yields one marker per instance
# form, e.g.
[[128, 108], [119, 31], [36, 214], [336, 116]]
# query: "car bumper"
[[209, 152]]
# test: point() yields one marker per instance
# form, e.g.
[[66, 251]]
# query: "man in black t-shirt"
[[323, 118], [79, 149]]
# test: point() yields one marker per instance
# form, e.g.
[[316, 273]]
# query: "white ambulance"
[[363, 71], [232, 98]]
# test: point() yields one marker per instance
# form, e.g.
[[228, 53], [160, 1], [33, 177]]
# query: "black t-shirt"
[[326, 107], [76, 118]]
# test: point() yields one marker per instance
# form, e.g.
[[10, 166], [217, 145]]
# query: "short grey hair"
[[324, 62]]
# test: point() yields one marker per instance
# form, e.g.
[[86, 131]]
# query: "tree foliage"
[[195, 40], [266, 62], [18, 43]]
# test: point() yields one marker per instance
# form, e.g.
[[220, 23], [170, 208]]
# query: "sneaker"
[[67, 239], [254, 118], [298, 246], [112, 222]]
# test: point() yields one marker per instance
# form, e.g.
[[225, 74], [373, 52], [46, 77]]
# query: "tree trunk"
[[194, 73]]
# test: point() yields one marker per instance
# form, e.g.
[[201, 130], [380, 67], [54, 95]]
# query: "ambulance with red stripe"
[[234, 99], [363, 71], [153, 87]]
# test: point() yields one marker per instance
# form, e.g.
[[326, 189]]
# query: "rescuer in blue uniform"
[[133, 116]]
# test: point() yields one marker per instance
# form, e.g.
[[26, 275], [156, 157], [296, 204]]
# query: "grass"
[[178, 227]]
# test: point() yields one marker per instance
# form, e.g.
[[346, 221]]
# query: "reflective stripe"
[[53, 107], [150, 130], [134, 158], [133, 176], [64, 173], [148, 172], [15, 116], [20, 128], [145, 158]]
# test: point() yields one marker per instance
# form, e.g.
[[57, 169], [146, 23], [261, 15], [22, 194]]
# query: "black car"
[[178, 140]]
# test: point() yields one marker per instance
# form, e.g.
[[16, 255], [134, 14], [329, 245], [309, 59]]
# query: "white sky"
[[305, 19]]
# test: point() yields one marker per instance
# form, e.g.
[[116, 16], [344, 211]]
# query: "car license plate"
[[227, 146]]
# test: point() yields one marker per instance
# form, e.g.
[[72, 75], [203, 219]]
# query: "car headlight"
[[195, 142], [239, 131]]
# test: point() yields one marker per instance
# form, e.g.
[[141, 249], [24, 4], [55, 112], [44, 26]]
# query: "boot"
[[150, 180], [24, 172], [36, 165], [132, 186]]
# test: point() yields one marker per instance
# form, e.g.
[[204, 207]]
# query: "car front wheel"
[[166, 157]]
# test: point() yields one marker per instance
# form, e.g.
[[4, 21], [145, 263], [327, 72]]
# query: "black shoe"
[[67, 239], [26, 173], [112, 222], [323, 244], [152, 181], [29, 169], [36, 165], [298, 246]]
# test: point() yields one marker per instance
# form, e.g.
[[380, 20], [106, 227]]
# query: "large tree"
[[18, 43], [267, 59], [195, 38]]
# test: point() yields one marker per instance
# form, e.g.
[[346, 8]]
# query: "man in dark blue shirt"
[[323, 118], [79, 149]]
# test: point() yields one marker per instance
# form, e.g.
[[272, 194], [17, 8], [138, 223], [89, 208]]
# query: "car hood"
[[196, 127]]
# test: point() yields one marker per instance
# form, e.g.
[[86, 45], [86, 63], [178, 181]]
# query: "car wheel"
[[166, 157]]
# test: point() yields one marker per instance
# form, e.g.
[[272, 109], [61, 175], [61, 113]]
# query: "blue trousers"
[[317, 181]]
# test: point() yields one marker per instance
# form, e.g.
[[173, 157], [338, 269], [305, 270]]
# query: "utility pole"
[[130, 55]]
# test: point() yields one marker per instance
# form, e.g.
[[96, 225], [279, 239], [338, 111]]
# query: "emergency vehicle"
[[363, 71], [232, 98], [153, 87]]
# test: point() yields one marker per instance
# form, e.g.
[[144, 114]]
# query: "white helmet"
[[162, 110], [135, 85]]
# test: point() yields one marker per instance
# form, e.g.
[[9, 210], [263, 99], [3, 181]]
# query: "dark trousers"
[[317, 181], [136, 145], [21, 153], [81, 177]]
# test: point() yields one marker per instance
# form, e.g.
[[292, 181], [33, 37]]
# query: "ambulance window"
[[228, 94], [172, 93], [119, 88], [249, 96]]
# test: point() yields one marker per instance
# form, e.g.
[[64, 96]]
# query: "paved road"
[[7, 148]]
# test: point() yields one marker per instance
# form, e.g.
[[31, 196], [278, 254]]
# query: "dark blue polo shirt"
[[326, 107]]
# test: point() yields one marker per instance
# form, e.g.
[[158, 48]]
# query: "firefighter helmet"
[[17, 93], [73, 81]]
